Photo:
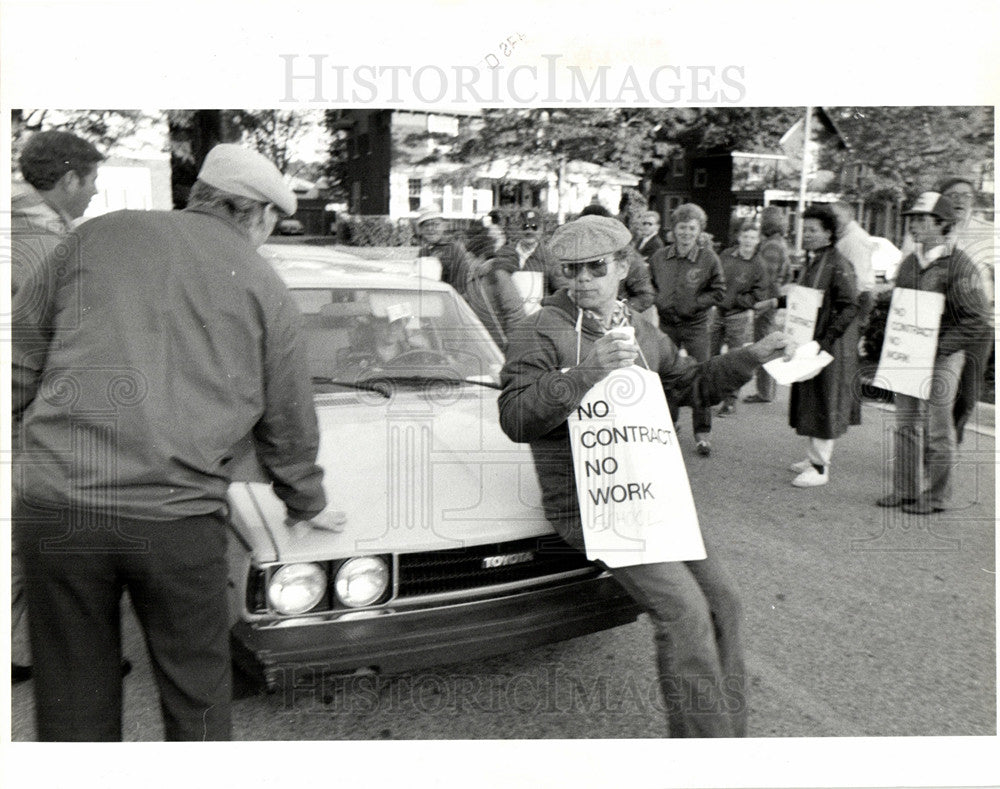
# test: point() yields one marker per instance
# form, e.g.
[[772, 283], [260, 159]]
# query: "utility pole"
[[803, 180]]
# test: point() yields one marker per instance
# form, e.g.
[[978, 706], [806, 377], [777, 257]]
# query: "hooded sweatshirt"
[[543, 382]]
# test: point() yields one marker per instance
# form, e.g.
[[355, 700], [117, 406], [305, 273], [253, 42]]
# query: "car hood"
[[422, 470]]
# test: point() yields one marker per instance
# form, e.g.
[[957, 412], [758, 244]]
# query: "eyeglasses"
[[959, 197], [596, 268]]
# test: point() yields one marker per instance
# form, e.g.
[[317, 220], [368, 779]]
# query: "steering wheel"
[[418, 357]]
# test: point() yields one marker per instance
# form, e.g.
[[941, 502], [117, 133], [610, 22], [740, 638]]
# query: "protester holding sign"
[[555, 359], [821, 407], [925, 427]]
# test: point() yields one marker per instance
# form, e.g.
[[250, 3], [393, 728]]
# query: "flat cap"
[[589, 238], [240, 171], [934, 204]]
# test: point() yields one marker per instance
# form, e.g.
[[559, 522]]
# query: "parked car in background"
[[446, 554], [289, 227]]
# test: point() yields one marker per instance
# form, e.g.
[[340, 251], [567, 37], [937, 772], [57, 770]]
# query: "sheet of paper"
[[806, 363]]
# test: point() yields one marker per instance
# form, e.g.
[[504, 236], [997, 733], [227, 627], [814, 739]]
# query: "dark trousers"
[[695, 338], [175, 572], [763, 325]]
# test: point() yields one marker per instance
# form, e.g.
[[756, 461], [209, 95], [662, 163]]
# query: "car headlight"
[[361, 581], [296, 588]]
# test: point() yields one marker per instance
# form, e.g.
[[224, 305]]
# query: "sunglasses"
[[596, 268], [531, 227]]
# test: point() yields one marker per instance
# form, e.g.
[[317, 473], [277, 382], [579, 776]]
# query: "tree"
[[636, 140], [906, 150], [106, 129], [275, 133]]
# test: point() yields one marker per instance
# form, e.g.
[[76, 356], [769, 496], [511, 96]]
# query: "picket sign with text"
[[800, 315], [635, 500], [910, 345]]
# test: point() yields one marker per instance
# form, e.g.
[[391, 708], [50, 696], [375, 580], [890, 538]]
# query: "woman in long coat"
[[821, 408]]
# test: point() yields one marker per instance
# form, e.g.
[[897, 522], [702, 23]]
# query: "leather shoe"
[[922, 507], [894, 500], [19, 674], [755, 398], [704, 448]]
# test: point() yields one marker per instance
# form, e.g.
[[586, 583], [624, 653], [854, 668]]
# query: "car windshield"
[[357, 335]]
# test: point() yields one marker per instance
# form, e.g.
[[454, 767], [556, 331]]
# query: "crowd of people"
[[180, 303]]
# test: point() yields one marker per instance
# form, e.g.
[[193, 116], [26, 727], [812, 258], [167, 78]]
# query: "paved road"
[[859, 621]]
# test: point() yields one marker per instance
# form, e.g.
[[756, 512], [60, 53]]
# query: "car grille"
[[437, 572]]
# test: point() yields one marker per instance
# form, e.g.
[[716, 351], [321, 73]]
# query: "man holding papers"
[[925, 428], [582, 335]]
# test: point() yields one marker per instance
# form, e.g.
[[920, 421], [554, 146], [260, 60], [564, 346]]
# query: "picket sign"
[[802, 309], [910, 345], [635, 499], [531, 287]]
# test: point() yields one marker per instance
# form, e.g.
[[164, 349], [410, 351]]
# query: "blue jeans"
[[696, 616], [763, 325], [733, 331], [925, 435], [693, 338]]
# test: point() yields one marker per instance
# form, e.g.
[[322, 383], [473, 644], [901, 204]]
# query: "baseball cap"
[[935, 204], [240, 171], [427, 214], [589, 238]]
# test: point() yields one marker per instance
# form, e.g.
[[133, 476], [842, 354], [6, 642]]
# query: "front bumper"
[[409, 640]]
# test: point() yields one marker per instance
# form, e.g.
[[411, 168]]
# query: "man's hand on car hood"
[[328, 520]]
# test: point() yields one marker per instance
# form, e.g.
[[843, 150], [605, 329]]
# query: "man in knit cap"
[[553, 359], [145, 348]]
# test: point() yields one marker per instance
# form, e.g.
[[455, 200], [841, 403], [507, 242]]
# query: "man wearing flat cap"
[[554, 358], [925, 435], [166, 340]]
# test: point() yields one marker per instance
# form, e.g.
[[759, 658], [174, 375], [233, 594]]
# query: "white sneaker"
[[811, 478], [802, 465]]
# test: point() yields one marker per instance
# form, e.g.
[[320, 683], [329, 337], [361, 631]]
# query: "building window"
[[673, 202], [414, 193], [700, 178], [457, 199], [355, 197], [678, 165]]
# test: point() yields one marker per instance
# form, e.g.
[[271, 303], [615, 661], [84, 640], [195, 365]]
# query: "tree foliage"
[[906, 150], [106, 129]]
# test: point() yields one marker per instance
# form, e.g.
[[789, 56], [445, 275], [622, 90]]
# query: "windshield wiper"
[[418, 379], [364, 386]]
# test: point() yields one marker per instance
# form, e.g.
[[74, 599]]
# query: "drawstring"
[[578, 328], [579, 333]]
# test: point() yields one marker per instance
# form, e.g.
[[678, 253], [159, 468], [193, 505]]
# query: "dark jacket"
[[824, 406], [496, 301], [773, 254], [650, 246], [965, 322], [687, 286], [455, 262], [172, 341], [543, 382], [746, 282]]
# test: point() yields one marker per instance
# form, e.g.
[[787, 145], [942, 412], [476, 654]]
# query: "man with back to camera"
[[689, 281], [554, 358], [60, 174], [172, 340]]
